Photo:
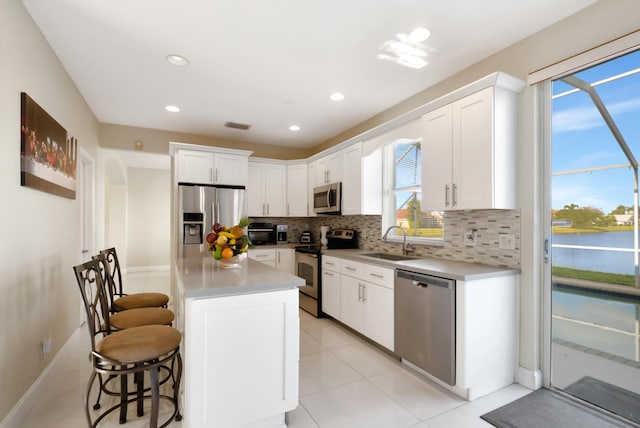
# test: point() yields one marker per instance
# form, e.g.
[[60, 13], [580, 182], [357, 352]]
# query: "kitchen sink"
[[387, 256]]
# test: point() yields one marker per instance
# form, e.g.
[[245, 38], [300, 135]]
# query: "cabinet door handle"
[[446, 195], [455, 195], [376, 275], [349, 267], [267, 209], [216, 175], [364, 293], [211, 174], [328, 273], [359, 291]]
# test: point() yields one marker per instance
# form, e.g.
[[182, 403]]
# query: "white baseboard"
[[531, 379], [140, 269], [18, 412]]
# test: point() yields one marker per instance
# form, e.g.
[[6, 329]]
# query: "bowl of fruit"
[[229, 245]]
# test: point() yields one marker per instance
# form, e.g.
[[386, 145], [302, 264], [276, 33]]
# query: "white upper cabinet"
[[297, 190], [204, 167], [468, 152], [267, 189], [329, 169], [195, 167], [230, 169], [361, 181]]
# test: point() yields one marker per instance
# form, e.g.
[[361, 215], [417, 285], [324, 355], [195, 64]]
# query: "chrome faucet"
[[406, 248]]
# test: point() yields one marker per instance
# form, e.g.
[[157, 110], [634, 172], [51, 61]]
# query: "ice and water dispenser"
[[192, 228]]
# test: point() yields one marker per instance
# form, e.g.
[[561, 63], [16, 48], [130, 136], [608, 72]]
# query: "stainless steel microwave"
[[327, 198]]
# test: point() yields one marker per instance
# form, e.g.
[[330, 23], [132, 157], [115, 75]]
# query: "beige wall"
[[148, 214], [40, 233], [156, 141]]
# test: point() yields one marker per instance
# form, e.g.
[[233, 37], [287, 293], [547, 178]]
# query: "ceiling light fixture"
[[294, 128], [172, 109], [336, 96], [177, 60], [406, 49]]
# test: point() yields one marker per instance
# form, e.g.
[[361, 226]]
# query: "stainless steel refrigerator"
[[200, 207]]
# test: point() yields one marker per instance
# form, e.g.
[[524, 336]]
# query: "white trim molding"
[[531, 379], [601, 53]]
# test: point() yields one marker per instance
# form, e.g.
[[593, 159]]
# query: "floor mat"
[[549, 409], [610, 397]]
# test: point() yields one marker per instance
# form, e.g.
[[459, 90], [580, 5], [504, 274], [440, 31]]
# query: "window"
[[403, 194]]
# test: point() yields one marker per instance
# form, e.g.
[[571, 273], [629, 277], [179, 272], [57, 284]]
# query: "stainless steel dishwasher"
[[425, 318]]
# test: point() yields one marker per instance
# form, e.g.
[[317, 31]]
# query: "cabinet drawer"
[[379, 275], [262, 255], [331, 263], [351, 268]]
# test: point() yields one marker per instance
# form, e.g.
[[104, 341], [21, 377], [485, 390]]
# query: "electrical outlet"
[[46, 345], [507, 241], [470, 237]]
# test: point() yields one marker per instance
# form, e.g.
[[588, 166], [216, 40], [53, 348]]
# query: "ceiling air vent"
[[236, 125]]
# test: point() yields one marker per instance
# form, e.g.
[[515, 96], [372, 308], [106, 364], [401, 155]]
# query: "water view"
[[595, 260], [589, 318]]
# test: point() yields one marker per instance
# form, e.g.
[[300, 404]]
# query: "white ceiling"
[[273, 63]]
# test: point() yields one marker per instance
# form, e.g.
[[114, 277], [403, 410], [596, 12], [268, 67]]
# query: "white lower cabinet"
[[285, 260], [378, 317], [239, 372], [280, 258], [331, 286], [351, 302], [360, 296], [266, 256]]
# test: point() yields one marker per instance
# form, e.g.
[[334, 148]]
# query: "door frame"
[[86, 198]]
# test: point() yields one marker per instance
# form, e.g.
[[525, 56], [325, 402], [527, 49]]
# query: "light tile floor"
[[344, 382]]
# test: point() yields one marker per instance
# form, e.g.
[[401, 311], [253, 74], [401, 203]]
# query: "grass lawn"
[[604, 277], [566, 230]]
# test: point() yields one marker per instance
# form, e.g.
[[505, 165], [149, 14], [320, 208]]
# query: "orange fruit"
[[227, 253]]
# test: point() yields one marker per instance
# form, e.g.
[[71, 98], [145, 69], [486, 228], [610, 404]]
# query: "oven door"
[[307, 269]]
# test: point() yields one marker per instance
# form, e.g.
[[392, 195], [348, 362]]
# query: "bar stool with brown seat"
[[118, 299], [137, 316], [129, 318], [135, 350]]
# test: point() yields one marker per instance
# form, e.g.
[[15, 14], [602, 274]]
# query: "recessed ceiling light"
[[294, 128], [172, 109], [336, 96], [418, 35], [177, 60]]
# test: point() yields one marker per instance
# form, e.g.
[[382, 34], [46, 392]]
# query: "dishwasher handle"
[[423, 280]]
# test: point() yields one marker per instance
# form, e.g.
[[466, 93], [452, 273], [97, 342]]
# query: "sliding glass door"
[[595, 285]]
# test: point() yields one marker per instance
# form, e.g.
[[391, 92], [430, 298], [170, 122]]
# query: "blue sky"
[[580, 138]]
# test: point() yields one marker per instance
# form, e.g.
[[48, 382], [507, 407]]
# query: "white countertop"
[[460, 271], [205, 278]]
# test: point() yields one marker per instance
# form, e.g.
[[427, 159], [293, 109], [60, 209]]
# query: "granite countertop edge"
[[450, 269], [204, 278]]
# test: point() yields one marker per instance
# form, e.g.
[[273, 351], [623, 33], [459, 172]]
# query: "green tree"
[[621, 209], [583, 217], [414, 212]]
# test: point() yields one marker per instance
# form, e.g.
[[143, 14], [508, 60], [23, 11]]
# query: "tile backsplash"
[[489, 224]]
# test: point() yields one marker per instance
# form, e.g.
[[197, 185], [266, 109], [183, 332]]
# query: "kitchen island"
[[240, 343]]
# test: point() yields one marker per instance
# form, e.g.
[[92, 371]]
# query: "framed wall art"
[[48, 155]]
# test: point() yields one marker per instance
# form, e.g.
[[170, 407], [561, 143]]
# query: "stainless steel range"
[[309, 264]]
